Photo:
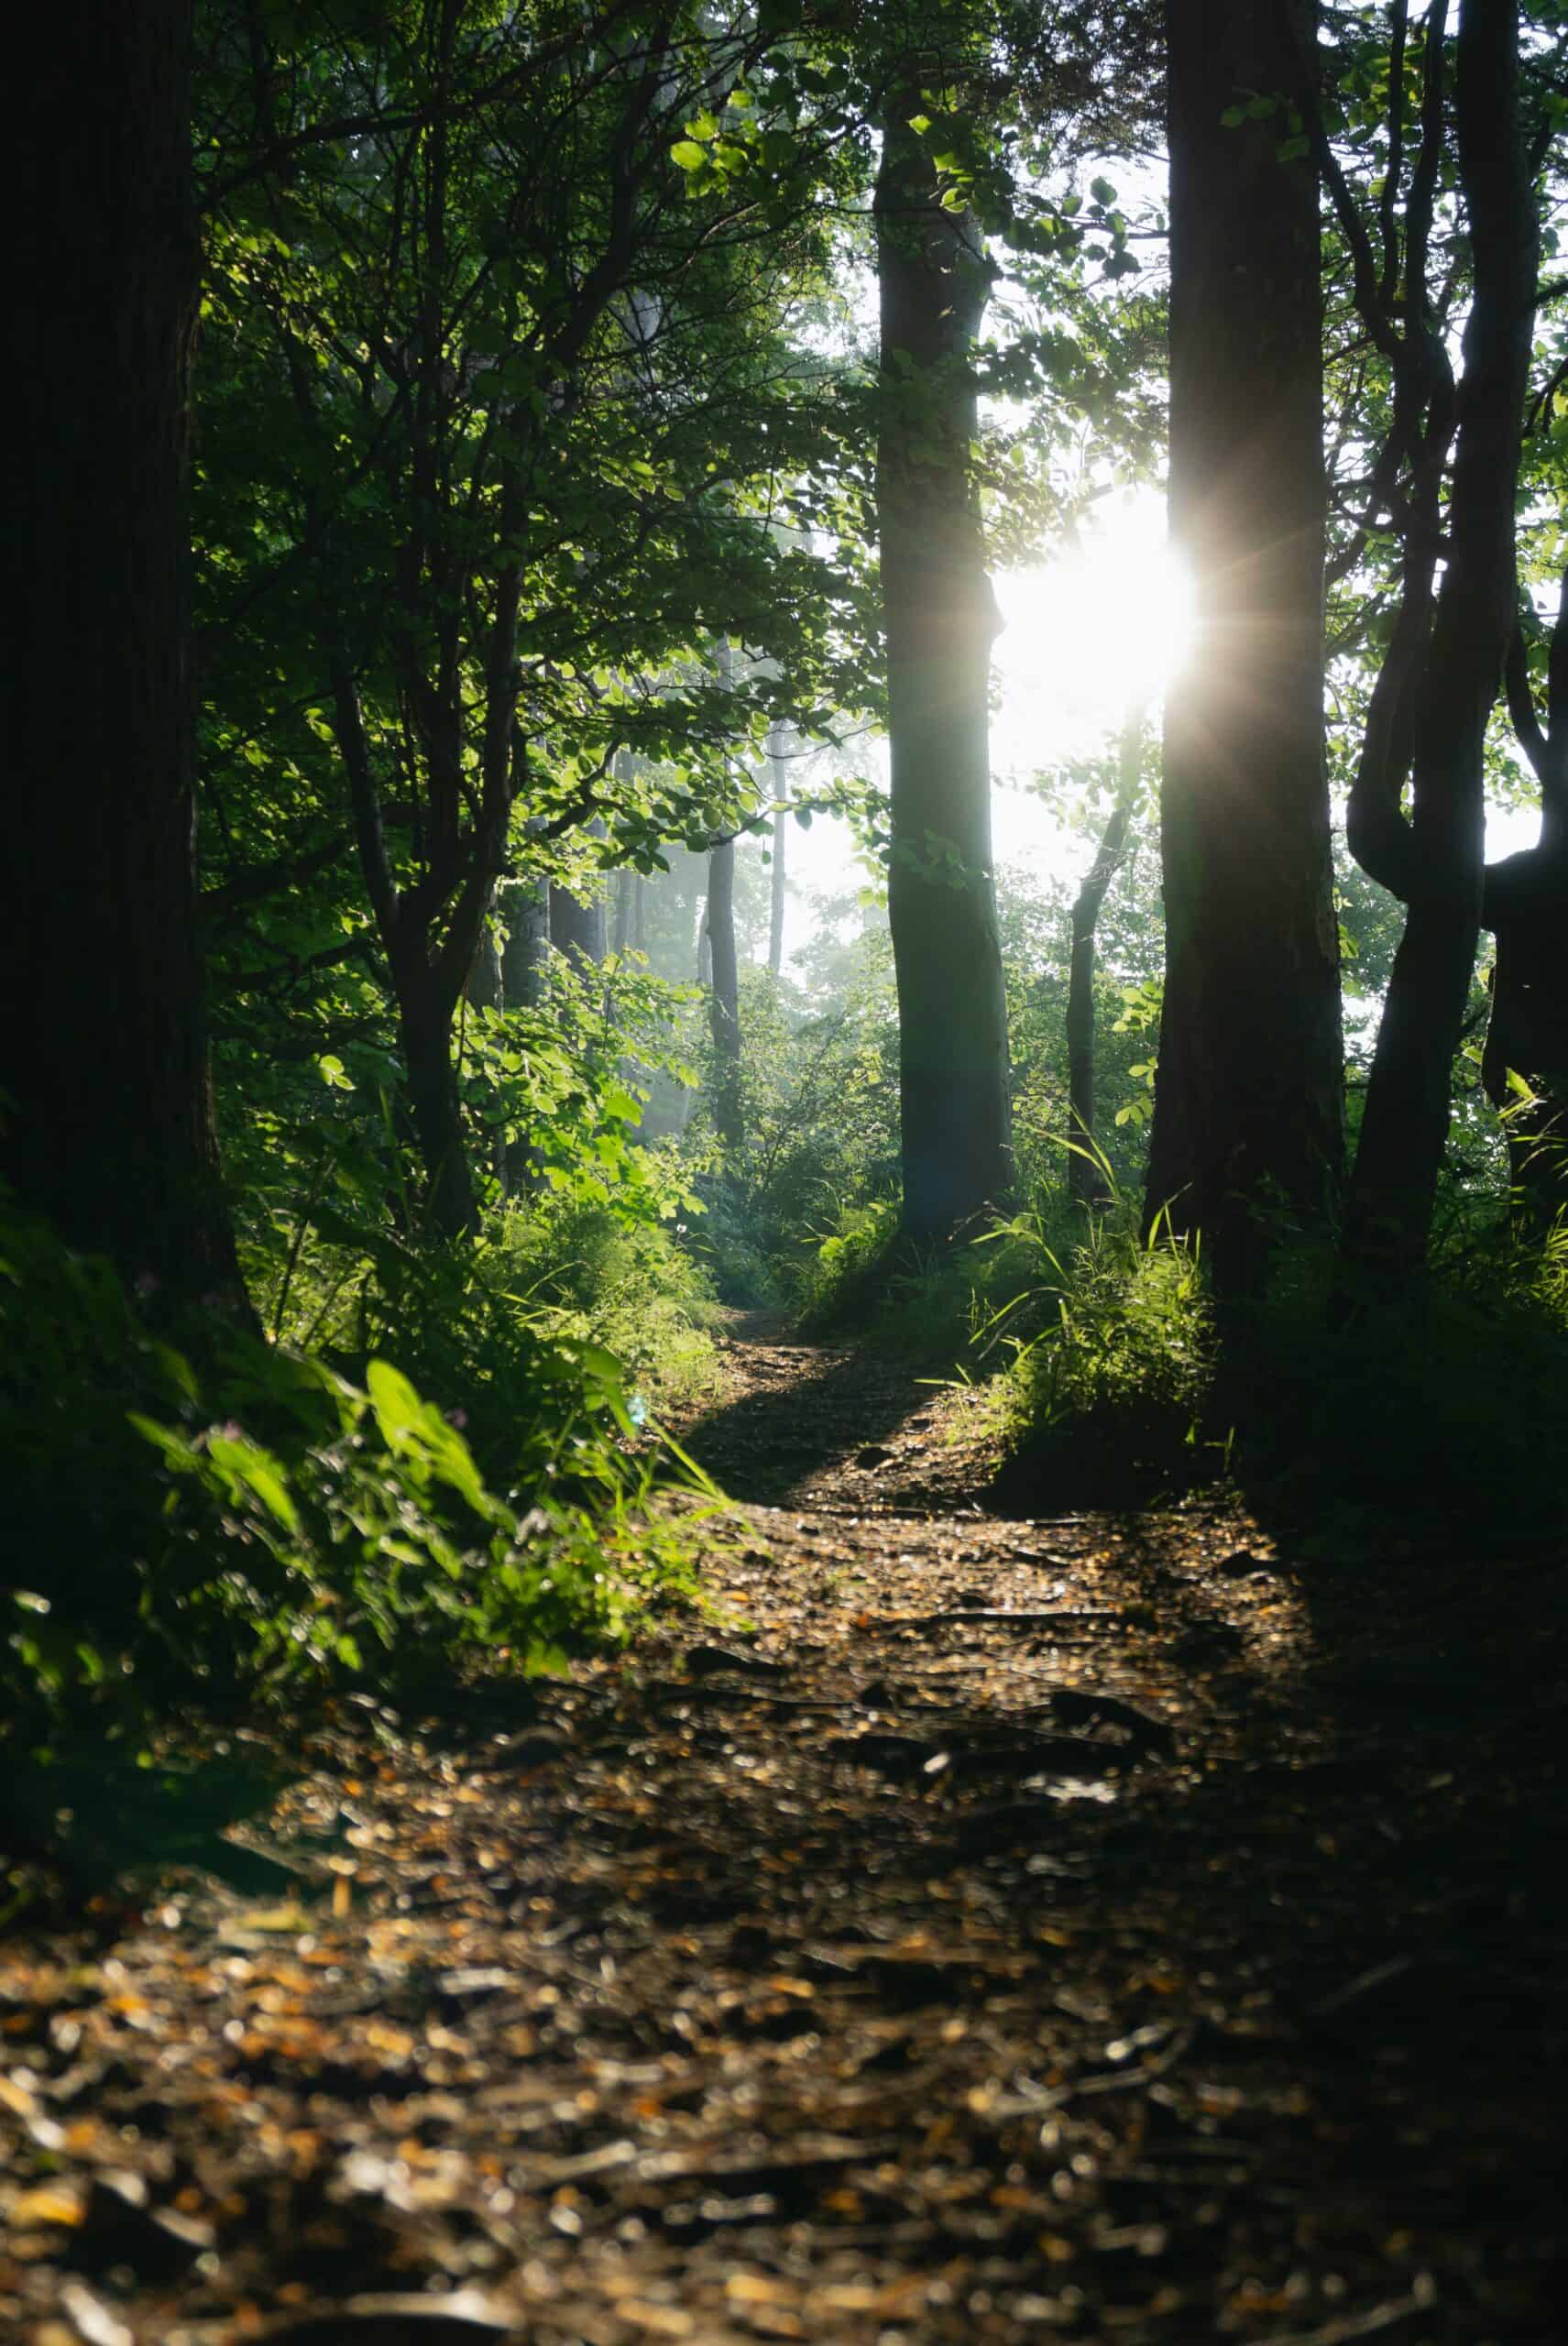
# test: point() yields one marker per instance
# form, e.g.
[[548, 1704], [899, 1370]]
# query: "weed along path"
[[982, 1930]]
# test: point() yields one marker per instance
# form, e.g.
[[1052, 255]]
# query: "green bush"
[[269, 1524], [1114, 1360]]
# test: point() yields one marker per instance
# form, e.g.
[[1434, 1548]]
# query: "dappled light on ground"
[[983, 1928]]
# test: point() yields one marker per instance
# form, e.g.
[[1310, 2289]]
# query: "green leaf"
[[246, 1463], [688, 154]]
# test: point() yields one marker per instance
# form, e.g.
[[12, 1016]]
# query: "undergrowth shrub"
[[1107, 1392], [267, 1524], [1439, 1420]]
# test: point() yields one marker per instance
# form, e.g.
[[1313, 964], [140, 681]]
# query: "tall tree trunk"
[[1248, 1106], [1405, 1127], [525, 910], [625, 900], [1525, 903], [1086, 1181], [724, 997], [485, 986], [577, 924], [781, 835], [424, 1023], [640, 912], [939, 617], [108, 1126]]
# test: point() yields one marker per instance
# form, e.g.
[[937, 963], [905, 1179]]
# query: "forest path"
[[1103, 1928]]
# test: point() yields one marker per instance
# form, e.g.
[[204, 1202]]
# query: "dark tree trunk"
[[1525, 903], [425, 1025], [1086, 1181], [1407, 1101], [108, 1129], [640, 912], [1249, 1096], [939, 617], [1527, 906], [724, 998], [485, 986], [781, 839]]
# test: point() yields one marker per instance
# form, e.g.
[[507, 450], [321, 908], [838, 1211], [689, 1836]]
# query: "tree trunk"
[[485, 986], [625, 900], [939, 617], [781, 836], [1405, 1128], [1086, 1181], [577, 924], [724, 999], [1248, 1107], [108, 1129], [525, 909], [425, 1021], [1527, 906]]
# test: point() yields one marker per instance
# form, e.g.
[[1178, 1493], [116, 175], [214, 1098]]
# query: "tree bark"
[[424, 1022], [579, 924], [724, 996], [108, 1128], [486, 987], [939, 617], [1086, 1181], [1526, 905], [1405, 1128], [1248, 1109], [625, 900], [781, 839]]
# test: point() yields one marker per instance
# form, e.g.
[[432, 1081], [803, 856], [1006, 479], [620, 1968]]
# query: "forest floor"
[[1110, 1928]]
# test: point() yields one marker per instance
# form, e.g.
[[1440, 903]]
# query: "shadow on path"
[[815, 1424]]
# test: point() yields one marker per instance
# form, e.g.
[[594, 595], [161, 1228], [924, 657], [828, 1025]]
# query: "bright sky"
[[1084, 636]]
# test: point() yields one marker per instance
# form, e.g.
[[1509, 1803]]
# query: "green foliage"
[[1114, 1359], [267, 1526]]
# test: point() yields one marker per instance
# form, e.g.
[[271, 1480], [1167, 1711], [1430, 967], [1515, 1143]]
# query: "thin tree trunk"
[[1086, 1181], [724, 998], [780, 835], [1248, 1100], [639, 912], [109, 1127], [939, 618], [1405, 1128]]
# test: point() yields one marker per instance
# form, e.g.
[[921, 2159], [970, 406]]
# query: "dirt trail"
[[1116, 1930]]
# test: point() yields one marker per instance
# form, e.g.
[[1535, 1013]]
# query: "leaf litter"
[[981, 1930]]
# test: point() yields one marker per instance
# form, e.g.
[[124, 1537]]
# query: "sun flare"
[[1087, 639]]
